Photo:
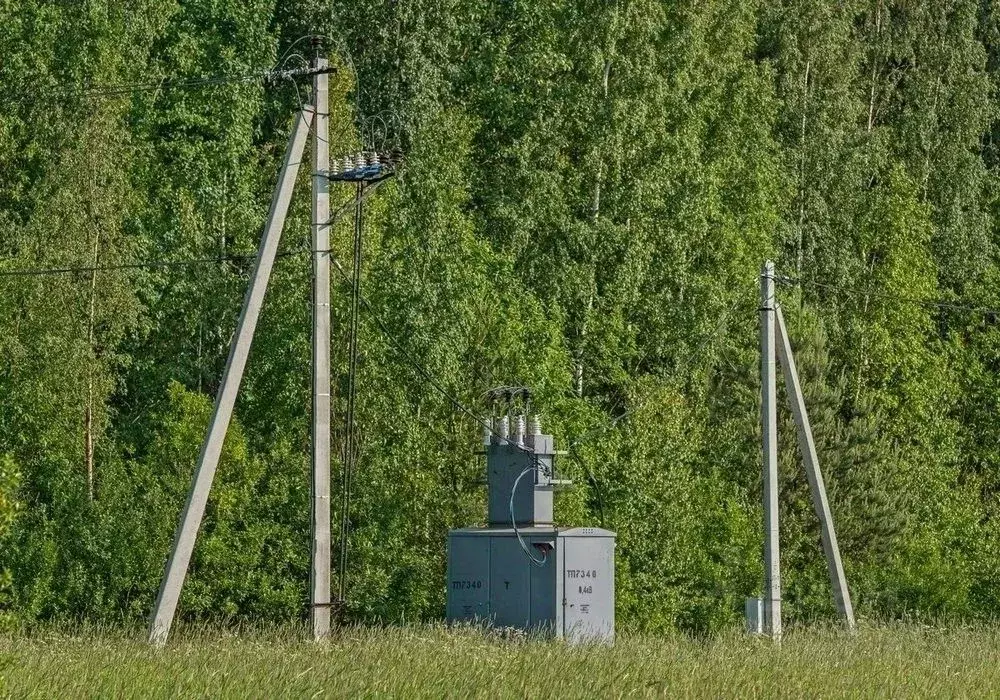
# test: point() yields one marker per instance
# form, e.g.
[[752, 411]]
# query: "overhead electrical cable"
[[147, 264], [889, 296], [687, 359], [407, 356], [115, 90], [601, 429], [153, 264], [350, 452], [110, 90], [350, 449]]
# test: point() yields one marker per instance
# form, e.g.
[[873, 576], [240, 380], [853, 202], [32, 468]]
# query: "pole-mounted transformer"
[[521, 570]]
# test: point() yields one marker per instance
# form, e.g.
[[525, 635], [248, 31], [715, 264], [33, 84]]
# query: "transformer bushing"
[[522, 571]]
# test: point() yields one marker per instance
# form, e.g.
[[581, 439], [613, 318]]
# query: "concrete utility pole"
[[187, 529], [838, 581], [769, 430], [320, 573]]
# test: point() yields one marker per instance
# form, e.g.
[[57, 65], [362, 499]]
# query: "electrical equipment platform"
[[521, 571]]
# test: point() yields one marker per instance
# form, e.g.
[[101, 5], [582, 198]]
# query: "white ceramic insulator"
[[504, 430], [488, 431], [519, 436], [535, 425]]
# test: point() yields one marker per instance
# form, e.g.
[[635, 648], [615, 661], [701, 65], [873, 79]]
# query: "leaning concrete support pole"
[[319, 578], [769, 434], [187, 529], [841, 595]]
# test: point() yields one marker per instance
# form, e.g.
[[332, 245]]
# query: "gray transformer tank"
[[534, 577]]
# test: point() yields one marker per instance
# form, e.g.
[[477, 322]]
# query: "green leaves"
[[10, 480], [589, 191]]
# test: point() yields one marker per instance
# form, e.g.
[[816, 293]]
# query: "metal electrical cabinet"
[[571, 595], [558, 581]]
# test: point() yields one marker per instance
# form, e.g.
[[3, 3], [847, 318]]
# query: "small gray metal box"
[[571, 595], [754, 610], [533, 499]]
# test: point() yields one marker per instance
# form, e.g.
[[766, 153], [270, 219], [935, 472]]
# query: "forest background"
[[589, 193]]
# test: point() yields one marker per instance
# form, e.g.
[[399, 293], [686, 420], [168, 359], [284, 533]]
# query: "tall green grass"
[[431, 661]]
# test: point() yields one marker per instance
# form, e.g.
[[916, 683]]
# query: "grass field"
[[896, 661]]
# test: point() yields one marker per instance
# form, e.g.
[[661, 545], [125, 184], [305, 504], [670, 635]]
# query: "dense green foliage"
[[590, 190]]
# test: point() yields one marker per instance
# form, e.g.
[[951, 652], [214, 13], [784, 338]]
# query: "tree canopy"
[[589, 192]]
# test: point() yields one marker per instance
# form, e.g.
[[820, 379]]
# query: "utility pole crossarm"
[[838, 581], [225, 400]]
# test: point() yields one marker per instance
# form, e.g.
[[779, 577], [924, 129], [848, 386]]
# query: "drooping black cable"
[[406, 356], [513, 521], [686, 365], [350, 448], [600, 430]]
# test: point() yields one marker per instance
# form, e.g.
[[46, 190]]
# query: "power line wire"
[[148, 264], [350, 449], [688, 358], [102, 91], [152, 264], [115, 90], [407, 356], [601, 429], [952, 306]]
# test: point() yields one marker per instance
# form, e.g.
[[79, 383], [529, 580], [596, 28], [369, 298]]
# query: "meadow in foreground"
[[432, 661]]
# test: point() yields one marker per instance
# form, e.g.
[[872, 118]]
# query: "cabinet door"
[[543, 582], [468, 578], [510, 575], [588, 589]]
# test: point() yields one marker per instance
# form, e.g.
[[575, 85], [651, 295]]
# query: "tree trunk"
[[871, 98], [802, 175], [88, 417]]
